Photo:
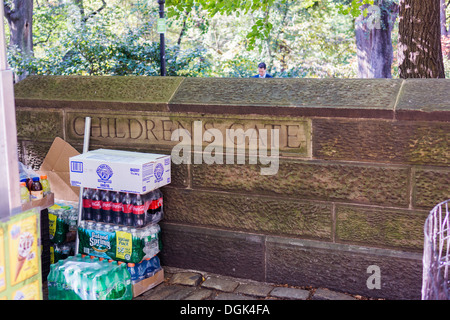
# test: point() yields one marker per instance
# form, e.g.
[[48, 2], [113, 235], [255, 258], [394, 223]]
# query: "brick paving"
[[182, 284]]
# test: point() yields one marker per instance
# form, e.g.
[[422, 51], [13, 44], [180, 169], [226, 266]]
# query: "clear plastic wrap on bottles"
[[78, 278]]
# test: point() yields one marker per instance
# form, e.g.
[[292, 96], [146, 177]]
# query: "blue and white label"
[[76, 166], [159, 171], [104, 172]]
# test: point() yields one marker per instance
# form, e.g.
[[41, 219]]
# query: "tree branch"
[[93, 13]]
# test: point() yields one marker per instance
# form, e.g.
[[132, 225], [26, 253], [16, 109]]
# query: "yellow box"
[[23, 249], [31, 291], [2, 261]]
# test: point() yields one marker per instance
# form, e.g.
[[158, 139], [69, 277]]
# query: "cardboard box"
[[146, 284], [56, 167], [20, 259], [117, 170]]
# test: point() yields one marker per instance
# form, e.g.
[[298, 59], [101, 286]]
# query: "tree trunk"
[[419, 43], [20, 20], [373, 40]]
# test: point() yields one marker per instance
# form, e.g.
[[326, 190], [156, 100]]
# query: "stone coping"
[[394, 99]]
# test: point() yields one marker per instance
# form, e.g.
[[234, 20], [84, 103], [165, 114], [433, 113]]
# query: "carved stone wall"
[[361, 163]]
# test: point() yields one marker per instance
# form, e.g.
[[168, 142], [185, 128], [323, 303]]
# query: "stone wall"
[[362, 162]]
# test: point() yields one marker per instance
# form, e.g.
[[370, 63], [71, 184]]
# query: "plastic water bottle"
[[126, 278], [24, 193], [78, 278], [153, 266], [133, 272], [60, 284], [151, 241], [45, 185], [51, 282]]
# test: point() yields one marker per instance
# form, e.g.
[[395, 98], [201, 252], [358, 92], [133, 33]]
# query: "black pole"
[[162, 45]]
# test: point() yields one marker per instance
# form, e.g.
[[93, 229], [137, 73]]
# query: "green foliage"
[[205, 38], [93, 48], [353, 7]]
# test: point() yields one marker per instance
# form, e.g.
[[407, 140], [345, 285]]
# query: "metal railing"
[[436, 254]]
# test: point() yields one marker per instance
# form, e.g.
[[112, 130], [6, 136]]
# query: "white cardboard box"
[[118, 170]]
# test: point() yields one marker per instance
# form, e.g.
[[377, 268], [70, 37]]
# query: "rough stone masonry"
[[362, 162]]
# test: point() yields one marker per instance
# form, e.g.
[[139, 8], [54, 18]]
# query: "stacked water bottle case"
[[118, 224], [129, 233]]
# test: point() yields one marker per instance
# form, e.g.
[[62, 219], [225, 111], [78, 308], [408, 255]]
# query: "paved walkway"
[[180, 284]]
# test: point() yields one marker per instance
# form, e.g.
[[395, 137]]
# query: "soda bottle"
[[87, 204], [127, 210], [138, 212], [24, 193], [155, 210], [36, 189], [96, 206], [117, 208], [106, 207], [45, 185]]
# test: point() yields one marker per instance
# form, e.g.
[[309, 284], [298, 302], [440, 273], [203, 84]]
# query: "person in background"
[[262, 73]]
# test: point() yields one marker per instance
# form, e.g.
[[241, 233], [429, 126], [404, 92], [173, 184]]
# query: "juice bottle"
[[36, 190], [24, 193], [45, 185]]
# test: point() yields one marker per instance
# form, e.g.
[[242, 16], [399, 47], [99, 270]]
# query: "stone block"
[[155, 130], [220, 284], [381, 227], [289, 293], [431, 186], [261, 214], [382, 141], [357, 183], [212, 250], [232, 296], [187, 278], [258, 290], [126, 93], [41, 125], [325, 294], [349, 97], [33, 153], [343, 268], [199, 294], [419, 99]]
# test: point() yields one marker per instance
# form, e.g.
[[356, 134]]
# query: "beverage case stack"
[[86, 278], [63, 225], [122, 205]]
